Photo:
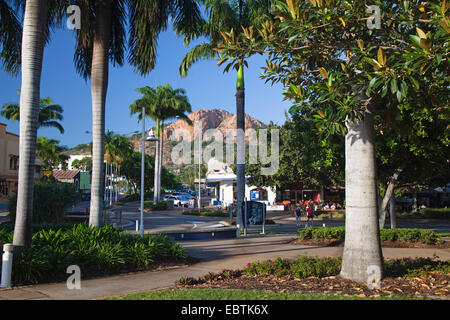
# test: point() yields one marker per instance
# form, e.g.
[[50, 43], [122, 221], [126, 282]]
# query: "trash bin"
[[170, 204]]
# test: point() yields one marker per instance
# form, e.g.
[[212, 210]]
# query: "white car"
[[178, 201]]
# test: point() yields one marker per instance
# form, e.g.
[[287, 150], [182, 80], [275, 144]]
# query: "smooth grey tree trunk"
[[387, 196], [240, 167], [362, 247], [99, 86], [392, 211], [33, 41]]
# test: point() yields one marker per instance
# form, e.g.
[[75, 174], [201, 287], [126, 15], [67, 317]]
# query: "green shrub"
[[98, 250], [50, 200], [408, 267], [208, 213], [134, 197], [161, 205], [409, 235], [301, 268], [316, 233], [401, 235], [428, 213]]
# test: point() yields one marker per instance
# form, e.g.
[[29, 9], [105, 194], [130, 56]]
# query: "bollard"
[[7, 265], [323, 225], [137, 225]]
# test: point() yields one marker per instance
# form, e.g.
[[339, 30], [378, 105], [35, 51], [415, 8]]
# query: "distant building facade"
[[68, 176], [222, 180], [9, 163]]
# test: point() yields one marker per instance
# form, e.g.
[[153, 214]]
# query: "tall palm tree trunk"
[[99, 86], [160, 163], [240, 168], [156, 180], [362, 236], [33, 42]]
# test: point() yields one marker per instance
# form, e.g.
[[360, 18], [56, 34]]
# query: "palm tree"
[[223, 16], [50, 153], [39, 17], [49, 114], [10, 37], [102, 39], [117, 148], [161, 104]]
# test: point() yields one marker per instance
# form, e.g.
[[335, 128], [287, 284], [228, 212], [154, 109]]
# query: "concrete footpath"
[[214, 255]]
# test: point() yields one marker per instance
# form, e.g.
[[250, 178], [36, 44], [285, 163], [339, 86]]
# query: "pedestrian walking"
[[298, 214], [310, 213]]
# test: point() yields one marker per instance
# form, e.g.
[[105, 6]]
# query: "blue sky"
[[207, 87]]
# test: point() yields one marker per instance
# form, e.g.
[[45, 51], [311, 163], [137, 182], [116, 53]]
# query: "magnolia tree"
[[360, 66]]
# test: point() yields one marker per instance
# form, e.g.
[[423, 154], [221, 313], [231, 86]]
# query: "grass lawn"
[[227, 294]]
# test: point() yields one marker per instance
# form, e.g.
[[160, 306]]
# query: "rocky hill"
[[210, 119]]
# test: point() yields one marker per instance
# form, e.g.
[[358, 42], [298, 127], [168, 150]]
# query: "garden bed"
[[385, 244], [404, 277], [97, 251], [391, 238]]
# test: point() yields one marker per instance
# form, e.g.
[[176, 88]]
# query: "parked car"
[[178, 200]]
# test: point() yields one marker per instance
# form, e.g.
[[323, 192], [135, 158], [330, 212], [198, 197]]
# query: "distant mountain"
[[79, 149], [211, 119]]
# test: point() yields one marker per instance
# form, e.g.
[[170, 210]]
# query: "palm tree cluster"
[[117, 148], [223, 16], [161, 104], [101, 39]]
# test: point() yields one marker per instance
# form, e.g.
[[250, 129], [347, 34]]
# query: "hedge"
[[50, 200], [401, 235], [429, 213], [208, 213], [161, 205]]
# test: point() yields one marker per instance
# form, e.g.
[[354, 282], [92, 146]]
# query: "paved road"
[[285, 223]]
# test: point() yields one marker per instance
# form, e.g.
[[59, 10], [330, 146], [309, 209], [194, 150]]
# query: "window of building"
[[13, 162]]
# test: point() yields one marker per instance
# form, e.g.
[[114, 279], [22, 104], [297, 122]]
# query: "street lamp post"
[[141, 226], [150, 137]]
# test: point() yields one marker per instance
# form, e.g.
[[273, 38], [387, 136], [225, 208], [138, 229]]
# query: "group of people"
[[331, 206], [308, 208]]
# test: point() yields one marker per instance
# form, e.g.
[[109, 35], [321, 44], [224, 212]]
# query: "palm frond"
[[11, 111], [52, 124], [202, 51], [10, 38]]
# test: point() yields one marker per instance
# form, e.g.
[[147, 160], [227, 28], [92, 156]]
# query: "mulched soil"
[[386, 244], [433, 285]]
